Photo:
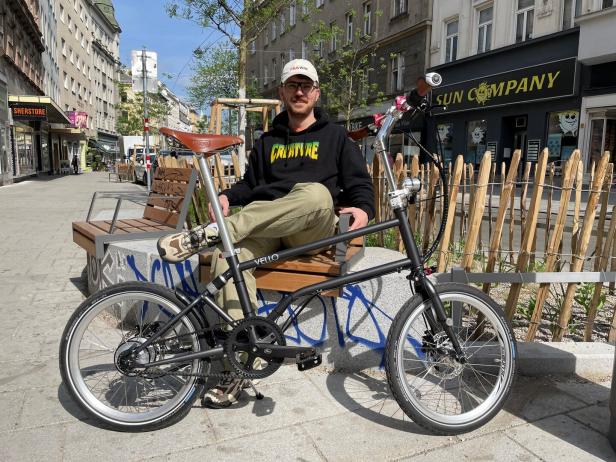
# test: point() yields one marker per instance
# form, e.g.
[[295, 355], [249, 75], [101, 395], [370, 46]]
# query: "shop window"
[[607, 4], [477, 131], [451, 41], [562, 134], [333, 43], [445, 138], [484, 33]]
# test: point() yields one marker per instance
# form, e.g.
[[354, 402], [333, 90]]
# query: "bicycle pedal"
[[308, 361]]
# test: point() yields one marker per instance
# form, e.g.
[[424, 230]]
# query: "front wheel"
[[433, 388], [103, 329]]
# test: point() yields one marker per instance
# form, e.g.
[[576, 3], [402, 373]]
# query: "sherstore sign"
[[28, 112], [545, 81]]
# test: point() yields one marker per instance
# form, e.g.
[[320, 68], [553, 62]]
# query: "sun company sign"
[[544, 81]]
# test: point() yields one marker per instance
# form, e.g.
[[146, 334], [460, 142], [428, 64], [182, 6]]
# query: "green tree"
[[241, 22], [130, 111], [214, 76], [344, 73]]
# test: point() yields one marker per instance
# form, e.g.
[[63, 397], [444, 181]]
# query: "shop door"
[[602, 138]]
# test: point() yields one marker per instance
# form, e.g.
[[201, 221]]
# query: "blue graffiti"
[[185, 274]]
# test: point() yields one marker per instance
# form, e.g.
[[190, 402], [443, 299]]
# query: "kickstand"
[[258, 395]]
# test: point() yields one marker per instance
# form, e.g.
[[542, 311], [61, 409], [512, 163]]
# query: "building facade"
[[178, 116], [105, 65], [399, 30], [27, 106], [512, 78]]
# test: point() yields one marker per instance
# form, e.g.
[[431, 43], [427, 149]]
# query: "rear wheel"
[[431, 386], [94, 365]]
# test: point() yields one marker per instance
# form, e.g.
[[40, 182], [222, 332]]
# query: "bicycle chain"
[[151, 372]]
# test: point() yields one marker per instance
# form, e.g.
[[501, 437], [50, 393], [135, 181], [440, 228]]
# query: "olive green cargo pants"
[[304, 215]]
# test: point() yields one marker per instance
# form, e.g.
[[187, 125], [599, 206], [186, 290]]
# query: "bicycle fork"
[[419, 280]]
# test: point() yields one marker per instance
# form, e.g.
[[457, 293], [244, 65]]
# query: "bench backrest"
[[176, 185]]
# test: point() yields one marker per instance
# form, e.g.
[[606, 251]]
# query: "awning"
[[103, 147], [26, 107]]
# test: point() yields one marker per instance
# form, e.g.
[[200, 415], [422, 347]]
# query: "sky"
[[145, 23]]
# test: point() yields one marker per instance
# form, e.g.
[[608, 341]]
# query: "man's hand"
[[224, 204], [360, 218]]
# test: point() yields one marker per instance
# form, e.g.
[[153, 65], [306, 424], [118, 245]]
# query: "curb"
[[584, 359]]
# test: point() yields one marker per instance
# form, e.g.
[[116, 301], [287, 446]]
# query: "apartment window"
[[571, 10], [70, 23], [283, 23], [61, 13], [273, 30], [333, 43], [266, 38], [367, 18], [253, 47], [291, 54], [304, 7], [397, 69], [484, 33], [398, 7], [63, 47], [292, 14], [73, 85], [83, 41], [320, 3], [71, 55], [66, 80], [349, 28], [451, 41], [304, 50], [78, 63], [75, 4], [524, 20], [320, 48], [274, 69]]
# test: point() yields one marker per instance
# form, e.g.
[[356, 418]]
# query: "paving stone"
[[288, 444], [284, 404], [561, 439], [388, 435], [20, 375], [11, 404], [496, 447], [589, 391], [596, 417], [48, 406], [32, 445]]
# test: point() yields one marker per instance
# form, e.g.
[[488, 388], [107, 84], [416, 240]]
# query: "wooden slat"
[[161, 215], [530, 226], [555, 240], [173, 174], [169, 188], [451, 213], [477, 206], [581, 247], [172, 203], [84, 242]]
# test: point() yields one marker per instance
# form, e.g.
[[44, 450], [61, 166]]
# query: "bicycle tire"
[[159, 302], [480, 369]]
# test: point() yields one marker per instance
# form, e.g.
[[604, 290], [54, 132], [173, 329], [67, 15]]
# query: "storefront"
[[5, 165], [525, 96], [30, 134]]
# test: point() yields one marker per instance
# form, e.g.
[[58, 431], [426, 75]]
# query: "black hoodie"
[[320, 154]]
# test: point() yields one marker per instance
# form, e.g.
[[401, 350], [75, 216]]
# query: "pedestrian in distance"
[[75, 164], [297, 173]]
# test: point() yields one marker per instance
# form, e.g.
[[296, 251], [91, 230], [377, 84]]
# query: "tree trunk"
[[243, 49]]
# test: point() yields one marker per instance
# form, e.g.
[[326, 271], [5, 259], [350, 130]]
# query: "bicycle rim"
[[443, 390], [112, 325]]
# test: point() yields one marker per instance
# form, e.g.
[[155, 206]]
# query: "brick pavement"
[[312, 417]]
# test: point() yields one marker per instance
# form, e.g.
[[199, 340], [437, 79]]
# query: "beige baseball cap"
[[299, 67]]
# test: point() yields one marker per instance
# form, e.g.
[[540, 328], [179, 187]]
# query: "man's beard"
[[305, 111]]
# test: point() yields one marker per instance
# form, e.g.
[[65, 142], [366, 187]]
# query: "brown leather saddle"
[[201, 143]]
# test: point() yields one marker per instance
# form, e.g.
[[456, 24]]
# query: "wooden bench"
[[293, 274], [165, 212], [288, 275]]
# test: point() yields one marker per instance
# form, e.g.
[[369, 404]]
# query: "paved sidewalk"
[[311, 416]]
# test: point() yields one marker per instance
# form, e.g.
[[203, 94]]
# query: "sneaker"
[[224, 394], [178, 247]]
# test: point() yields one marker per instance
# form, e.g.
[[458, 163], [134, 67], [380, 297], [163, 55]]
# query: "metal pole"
[[146, 127]]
